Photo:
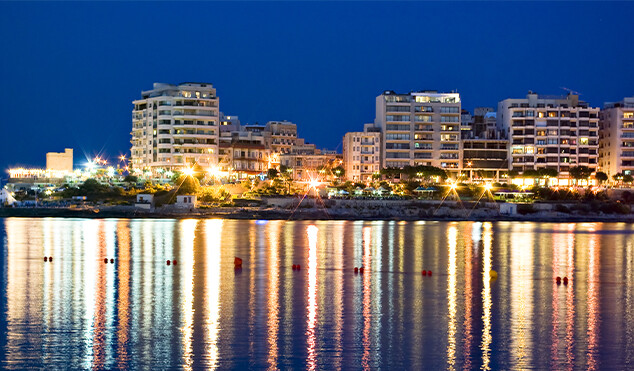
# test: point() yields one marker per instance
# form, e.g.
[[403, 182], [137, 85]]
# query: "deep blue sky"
[[70, 70]]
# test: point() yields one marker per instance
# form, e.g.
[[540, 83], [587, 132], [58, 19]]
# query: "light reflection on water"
[[139, 312]]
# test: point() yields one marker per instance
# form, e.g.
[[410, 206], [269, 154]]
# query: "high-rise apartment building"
[[362, 153], [550, 132], [616, 138], [174, 126], [420, 128]]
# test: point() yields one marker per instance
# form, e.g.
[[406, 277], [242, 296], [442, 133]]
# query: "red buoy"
[[50, 259], [45, 258], [294, 267], [237, 262], [111, 261], [424, 273], [299, 267], [356, 270], [558, 279], [361, 270], [168, 262], [105, 260], [175, 262], [565, 280], [429, 273]]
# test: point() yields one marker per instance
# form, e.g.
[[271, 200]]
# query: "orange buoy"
[[175, 262], [356, 270], [424, 273], [45, 258], [168, 262], [111, 261], [105, 260], [429, 273], [237, 262], [565, 280]]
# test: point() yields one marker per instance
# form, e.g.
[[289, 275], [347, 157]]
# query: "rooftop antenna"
[[570, 91]]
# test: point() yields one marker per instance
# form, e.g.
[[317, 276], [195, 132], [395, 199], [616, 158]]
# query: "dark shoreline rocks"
[[298, 214]]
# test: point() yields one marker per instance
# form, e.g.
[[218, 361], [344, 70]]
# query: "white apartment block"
[[420, 128], [550, 132], [616, 138], [174, 126], [362, 153]]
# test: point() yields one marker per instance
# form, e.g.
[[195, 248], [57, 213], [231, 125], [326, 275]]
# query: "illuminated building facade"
[[362, 153], [306, 167], [243, 154], [60, 161], [616, 138], [420, 128], [550, 132], [281, 137], [174, 126]]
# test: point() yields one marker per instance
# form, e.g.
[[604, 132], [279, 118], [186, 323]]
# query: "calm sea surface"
[[138, 312]]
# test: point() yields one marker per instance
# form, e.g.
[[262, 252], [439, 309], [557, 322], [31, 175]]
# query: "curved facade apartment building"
[[550, 132], [174, 126], [420, 128]]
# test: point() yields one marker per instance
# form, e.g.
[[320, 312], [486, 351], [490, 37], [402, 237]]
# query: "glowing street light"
[[188, 171]]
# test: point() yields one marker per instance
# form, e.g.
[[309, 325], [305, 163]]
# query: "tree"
[[548, 172], [131, 179], [271, 173], [628, 178], [580, 172], [92, 186], [601, 177], [187, 185], [530, 173], [199, 172], [339, 171]]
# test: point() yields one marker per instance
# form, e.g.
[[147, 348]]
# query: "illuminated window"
[[529, 150], [187, 94], [628, 115], [541, 114], [552, 114], [583, 141]]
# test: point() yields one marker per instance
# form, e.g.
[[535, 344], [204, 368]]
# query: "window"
[[397, 118], [583, 141], [391, 136], [628, 115], [449, 110], [397, 127], [423, 118]]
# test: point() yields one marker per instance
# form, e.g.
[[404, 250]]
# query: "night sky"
[[69, 71]]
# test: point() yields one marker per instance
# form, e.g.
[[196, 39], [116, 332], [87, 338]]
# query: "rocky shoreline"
[[314, 213]]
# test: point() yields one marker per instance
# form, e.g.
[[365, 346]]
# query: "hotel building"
[[420, 128], [362, 153], [174, 126], [550, 132], [616, 138]]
